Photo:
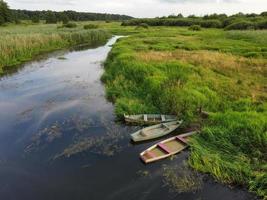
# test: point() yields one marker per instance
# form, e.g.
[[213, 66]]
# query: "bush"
[[194, 28], [2, 21], [90, 26], [211, 24], [241, 25], [70, 25], [262, 24], [35, 19], [143, 25], [50, 18]]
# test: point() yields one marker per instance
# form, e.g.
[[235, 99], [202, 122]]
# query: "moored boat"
[[155, 131], [149, 119], [166, 148]]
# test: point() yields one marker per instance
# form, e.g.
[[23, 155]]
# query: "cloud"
[[51, 2], [145, 8], [198, 1]]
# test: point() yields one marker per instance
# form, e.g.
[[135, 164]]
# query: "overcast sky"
[[145, 8]]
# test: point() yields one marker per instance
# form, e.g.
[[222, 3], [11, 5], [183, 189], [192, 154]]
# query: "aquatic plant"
[[107, 144], [181, 178]]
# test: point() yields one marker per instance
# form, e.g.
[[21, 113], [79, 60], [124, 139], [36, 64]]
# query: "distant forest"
[[71, 15], [8, 15], [239, 21]]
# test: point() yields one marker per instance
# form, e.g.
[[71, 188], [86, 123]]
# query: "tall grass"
[[19, 45], [233, 147], [174, 70]]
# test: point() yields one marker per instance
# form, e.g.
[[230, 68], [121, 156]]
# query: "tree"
[[64, 18], [5, 13], [2, 21], [35, 19], [180, 15], [50, 18]]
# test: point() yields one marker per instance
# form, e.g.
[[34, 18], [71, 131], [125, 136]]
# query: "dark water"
[[58, 139]]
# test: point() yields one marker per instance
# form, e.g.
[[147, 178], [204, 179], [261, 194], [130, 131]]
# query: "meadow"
[[20, 43], [177, 71]]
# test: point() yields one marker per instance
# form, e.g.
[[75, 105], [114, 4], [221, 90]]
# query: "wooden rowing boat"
[[166, 148], [155, 131], [149, 119]]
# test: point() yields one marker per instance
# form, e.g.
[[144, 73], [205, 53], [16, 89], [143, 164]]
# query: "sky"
[[145, 8]]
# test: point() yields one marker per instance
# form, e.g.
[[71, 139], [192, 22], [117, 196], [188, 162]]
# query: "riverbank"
[[20, 43], [177, 71]]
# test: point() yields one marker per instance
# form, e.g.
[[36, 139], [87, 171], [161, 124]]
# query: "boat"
[[155, 131], [166, 148], [149, 119]]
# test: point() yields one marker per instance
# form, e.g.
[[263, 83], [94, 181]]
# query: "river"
[[59, 139]]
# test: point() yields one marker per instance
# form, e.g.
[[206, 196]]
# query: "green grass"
[[177, 71], [20, 43]]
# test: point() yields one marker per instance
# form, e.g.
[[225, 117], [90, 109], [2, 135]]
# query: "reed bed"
[[19, 45]]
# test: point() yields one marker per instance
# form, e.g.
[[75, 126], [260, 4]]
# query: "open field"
[[177, 71]]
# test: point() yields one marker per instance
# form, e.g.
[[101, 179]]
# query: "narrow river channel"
[[59, 139]]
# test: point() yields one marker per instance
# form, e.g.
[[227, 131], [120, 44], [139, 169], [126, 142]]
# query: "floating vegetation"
[[143, 173], [62, 58], [75, 124], [108, 144], [181, 179], [46, 135]]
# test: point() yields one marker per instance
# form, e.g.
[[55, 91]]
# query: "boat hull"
[[149, 119], [156, 131], [166, 148]]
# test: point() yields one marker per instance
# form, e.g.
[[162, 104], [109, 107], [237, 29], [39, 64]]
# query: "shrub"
[[241, 25], [50, 18], [194, 28], [262, 24], [211, 24], [70, 25], [2, 21], [36, 19], [65, 19], [143, 25], [90, 26]]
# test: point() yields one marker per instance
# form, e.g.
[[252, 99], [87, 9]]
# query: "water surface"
[[59, 139]]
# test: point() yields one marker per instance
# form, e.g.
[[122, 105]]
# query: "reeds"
[[17, 46]]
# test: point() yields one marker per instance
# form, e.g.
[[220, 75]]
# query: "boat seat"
[[181, 139], [164, 147], [163, 118], [145, 118], [165, 126]]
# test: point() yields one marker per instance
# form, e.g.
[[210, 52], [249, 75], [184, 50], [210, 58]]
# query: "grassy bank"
[[174, 70], [20, 43]]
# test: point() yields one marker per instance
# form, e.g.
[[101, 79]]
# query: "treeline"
[[70, 15], [8, 15], [5, 13], [238, 21]]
